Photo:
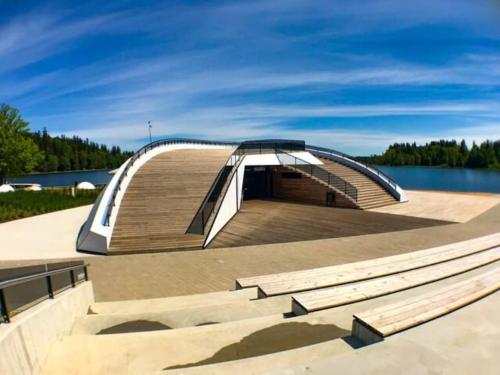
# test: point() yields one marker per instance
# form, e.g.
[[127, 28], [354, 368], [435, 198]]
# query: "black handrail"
[[351, 158], [47, 275], [223, 196], [145, 149], [207, 206], [329, 178]]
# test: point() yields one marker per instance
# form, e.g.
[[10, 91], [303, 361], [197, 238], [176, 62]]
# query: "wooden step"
[[162, 199], [364, 271], [374, 325], [341, 295], [456, 248]]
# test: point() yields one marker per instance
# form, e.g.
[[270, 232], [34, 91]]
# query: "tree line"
[[22, 151], [72, 154], [443, 153]]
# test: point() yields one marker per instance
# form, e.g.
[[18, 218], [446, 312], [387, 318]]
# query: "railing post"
[[86, 273], [202, 221], [50, 291], [72, 277], [3, 307]]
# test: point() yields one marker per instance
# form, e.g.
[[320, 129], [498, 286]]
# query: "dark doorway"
[[257, 183], [330, 198]]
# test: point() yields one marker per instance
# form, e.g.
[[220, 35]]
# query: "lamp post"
[[149, 128]]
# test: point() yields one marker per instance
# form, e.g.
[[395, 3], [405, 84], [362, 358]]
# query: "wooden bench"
[[373, 325], [341, 295], [291, 282]]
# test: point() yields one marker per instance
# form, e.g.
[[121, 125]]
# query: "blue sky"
[[354, 75]]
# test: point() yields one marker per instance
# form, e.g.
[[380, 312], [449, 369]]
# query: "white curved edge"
[[95, 235], [394, 189]]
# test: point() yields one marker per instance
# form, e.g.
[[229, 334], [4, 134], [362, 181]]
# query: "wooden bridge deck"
[[162, 199], [267, 221]]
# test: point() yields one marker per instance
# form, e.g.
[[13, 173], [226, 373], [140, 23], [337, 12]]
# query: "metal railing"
[[143, 150], [223, 194], [202, 217], [322, 174], [47, 275], [207, 207], [269, 146], [351, 159]]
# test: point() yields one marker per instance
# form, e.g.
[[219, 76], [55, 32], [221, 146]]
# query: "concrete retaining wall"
[[26, 341]]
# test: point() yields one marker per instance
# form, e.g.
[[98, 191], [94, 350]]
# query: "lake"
[[450, 179], [423, 178], [64, 178]]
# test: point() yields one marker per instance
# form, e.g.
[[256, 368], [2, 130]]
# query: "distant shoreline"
[[435, 167], [60, 172]]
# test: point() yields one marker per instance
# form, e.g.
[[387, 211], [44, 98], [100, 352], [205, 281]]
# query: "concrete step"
[[172, 303], [149, 352], [270, 362], [187, 317]]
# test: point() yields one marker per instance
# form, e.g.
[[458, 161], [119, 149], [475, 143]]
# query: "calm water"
[[424, 178], [64, 178], [428, 178]]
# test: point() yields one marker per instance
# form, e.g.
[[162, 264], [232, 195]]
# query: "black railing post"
[[3, 307], [72, 277], [86, 273], [50, 291], [202, 221]]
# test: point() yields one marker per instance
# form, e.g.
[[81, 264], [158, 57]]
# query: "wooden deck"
[[162, 199], [266, 221]]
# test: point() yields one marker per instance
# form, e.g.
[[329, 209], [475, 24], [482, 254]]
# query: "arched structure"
[[177, 194]]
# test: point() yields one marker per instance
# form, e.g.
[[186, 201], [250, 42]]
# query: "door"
[[330, 198]]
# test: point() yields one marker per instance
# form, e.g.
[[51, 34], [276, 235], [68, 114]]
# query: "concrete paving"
[[443, 205], [466, 341], [43, 237]]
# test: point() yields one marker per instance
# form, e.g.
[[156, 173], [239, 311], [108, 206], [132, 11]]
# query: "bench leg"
[[364, 333], [297, 308]]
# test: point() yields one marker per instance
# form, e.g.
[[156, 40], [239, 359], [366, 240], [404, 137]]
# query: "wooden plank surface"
[[408, 313], [441, 252], [162, 199], [272, 221], [373, 269], [345, 294], [370, 193]]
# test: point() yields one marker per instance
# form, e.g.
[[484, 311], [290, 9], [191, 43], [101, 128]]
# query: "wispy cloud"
[[255, 69]]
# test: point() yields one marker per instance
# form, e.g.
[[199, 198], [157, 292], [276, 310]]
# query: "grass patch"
[[20, 204]]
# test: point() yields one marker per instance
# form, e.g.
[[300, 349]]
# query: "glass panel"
[[22, 296]]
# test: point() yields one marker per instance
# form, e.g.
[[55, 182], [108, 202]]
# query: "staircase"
[[370, 193], [215, 333], [162, 199]]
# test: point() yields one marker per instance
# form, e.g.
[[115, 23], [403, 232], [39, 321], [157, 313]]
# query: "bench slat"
[[345, 294], [454, 250], [388, 320], [359, 274]]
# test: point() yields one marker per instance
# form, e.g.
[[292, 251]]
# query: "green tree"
[[18, 153]]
